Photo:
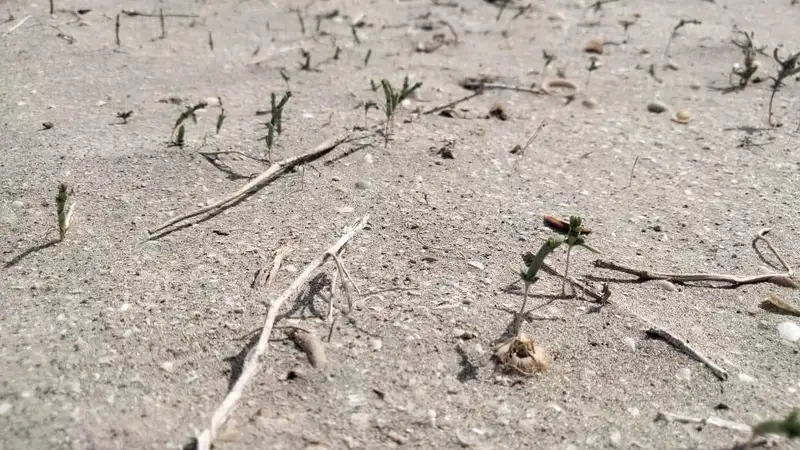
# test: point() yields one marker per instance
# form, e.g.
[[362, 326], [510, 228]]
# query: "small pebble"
[[5, 408], [789, 330], [345, 209], [377, 344], [745, 378], [615, 438], [168, 366], [17, 204], [362, 184], [630, 343], [589, 103], [657, 107], [683, 116], [368, 158], [594, 46], [684, 374], [665, 285]]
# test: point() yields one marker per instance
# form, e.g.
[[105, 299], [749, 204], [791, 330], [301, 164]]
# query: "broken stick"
[[780, 279], [254, 359], [683, 346], [255, 184]]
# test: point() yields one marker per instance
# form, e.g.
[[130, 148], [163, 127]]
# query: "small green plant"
[[306, 64], [789, 427], [124, 115], [393, 99], [575, 236], [751, 65], [529, 274], [275, 124], [788, 68], [177, 140], [63, 211], [682, 23]]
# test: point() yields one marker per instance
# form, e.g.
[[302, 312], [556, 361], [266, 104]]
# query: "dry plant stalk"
[[267, 274], [254, 359], [683, 346], [254, 185], [63, 212], [785, 279]]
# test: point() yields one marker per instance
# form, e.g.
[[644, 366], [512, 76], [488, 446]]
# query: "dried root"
[[522, 356]]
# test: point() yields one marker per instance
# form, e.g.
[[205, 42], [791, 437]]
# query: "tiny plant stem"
[[521, 314], [161, 19], [116, 30], [566, 273], [210, 41], [52, 8], [630, 180], [366, 58]]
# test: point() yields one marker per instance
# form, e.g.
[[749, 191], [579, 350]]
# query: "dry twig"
[[254, 359], [267, 274], [683, 346], [255, 184], [712, 420]]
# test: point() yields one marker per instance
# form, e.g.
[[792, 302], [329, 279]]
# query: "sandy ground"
[[110, 340]]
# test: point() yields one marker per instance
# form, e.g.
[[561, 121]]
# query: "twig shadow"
[[222, 167], [347, 153], [237, 361], [305, 301], [14, 261]]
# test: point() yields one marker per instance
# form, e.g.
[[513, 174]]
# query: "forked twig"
[[266, 276], [254, 359], [683, 346], [780, 279], [255, 184]]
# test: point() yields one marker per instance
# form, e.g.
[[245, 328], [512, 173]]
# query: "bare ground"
[[113, 341]]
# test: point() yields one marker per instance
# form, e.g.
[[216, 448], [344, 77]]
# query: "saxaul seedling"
[[751, 65], [124, 115], [682, 23], [275, 124], [393, 99], [788, 68], [789, 427], [178, 130], [574, 234], [64, 212]]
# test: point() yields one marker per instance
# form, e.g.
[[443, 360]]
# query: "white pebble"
[[665, 285], [124, 307], [615, 438], [168, 366], [5, 408], [745, 378], [789, 330], [345, 209], [684, 374], [630, 342], [476, 264], [17, 204], [377, 344], [368, 158]]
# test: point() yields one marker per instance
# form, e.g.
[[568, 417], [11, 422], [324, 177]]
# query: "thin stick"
[[683, 346], [254, 359], [258, 182], [116, 30], [511, 88], [161, 18], [644, 275], [630, 180], [19, 24], [454, 103], [712, 420], [762, 236], [530, 139], [134, 13]]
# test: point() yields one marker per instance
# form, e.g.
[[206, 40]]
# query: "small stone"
[[168, 366], [657, 107], [589, 103], [291, 268], [594, 46], [630, 343], [683, 116], [17, 204], [745, 378], [345, 209], [684, 374], [377, 344], [665, 285], [100, 103], [634, 411], [5, 408], [789, 330], [124, 307], [362, 185], [615, 438], [368, 159]]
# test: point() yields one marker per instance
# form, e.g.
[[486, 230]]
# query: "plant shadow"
[[14, 261]]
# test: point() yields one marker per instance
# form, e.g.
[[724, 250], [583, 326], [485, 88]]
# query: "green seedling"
[[681, 24], [161, 19], [210, 41], [306, 64], [63, 212], [366, 58], [178, 138], [355, 34], [575, 236], [336, 53], [275, 124], [789, 427], [751, 65], [529, 275], [220, 118], [367, 106], [189, 113], [124, 115], [116, 31], [788, 68], [393, 99]]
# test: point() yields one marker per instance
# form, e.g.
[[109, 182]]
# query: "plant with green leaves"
[[64, 212], [529, 274], [178, 130], [392, 99], [789, 427], [275, 124], [574, 234]]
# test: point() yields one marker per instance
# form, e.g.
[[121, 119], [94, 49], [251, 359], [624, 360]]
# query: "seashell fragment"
[[560, 87], [589, 103], [682, 116]]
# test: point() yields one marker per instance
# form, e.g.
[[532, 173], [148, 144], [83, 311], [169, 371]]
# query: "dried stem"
[[683, 346], [254, 359], [257, 183]]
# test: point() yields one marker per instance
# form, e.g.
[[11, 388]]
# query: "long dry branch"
[[255, 184], [254, 359], [780, 279]]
